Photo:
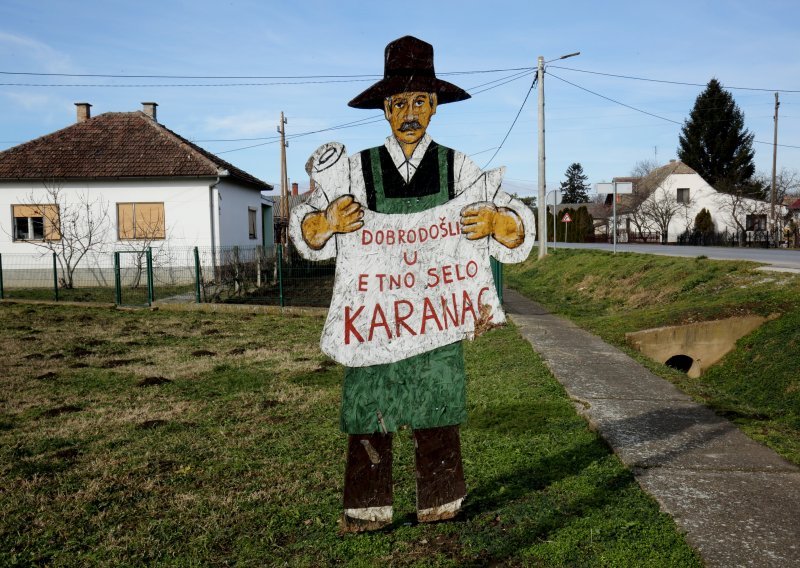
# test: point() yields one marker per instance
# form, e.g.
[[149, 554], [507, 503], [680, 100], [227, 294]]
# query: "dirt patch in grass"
[[153, 381], [59, 410], [113, 363], [150, 424], [48, 376], [202, 353], [237, 351]]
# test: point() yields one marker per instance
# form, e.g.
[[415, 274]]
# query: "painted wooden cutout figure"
[[413, 225]]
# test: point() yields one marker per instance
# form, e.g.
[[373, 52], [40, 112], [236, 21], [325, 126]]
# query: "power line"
[[365, 121], [649, 113], [283, 79], [231, 77], [181, 85], [614, 100], [371, 120], [510, 128], [651, 80], [343, 125]]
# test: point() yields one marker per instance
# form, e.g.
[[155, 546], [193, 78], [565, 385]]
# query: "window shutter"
[[149, 221], [125, 220]]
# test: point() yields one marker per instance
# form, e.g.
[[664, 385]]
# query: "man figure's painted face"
[[409, 115]]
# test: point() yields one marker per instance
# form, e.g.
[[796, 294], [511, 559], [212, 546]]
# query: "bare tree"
[[736, 207], [644, 168], [660, 208], [787, 182], [72, 227]]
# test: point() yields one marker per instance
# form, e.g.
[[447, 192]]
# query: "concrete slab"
[[737, 501], [733, 518], [685, 435]]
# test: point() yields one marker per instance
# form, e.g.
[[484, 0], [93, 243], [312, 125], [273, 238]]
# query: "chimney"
[[294, 189], [84, 111], [150, 110]]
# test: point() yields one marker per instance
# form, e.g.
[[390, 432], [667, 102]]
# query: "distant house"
[[154, 188], [664, 205], [287, 202]]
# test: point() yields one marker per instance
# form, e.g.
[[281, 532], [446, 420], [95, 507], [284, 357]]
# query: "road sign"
[[566, 218], [622, 187]]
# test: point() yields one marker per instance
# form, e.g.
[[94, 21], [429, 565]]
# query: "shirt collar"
[[407, 167]]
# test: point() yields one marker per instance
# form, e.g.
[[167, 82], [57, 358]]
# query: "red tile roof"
[[116, 145]]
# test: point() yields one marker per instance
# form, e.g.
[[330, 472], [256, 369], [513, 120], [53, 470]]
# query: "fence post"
[[117, 280], [259, 255], [1, 277], [280, 273], [497, 273], [196, 275], [150, 291], [55, 279]]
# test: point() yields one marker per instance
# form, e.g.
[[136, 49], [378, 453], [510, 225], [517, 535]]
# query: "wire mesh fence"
[[274, 275]]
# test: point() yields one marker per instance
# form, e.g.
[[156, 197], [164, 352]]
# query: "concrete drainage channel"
[[694, 347]]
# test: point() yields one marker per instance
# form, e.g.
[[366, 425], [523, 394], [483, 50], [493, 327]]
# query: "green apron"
[[424, 391]]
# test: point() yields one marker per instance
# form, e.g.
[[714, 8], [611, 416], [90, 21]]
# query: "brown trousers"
[[440, 473]]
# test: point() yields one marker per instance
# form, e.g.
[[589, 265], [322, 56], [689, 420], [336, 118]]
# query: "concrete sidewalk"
[[737, 501]]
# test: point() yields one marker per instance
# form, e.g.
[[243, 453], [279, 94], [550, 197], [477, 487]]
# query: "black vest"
[[424, 182]]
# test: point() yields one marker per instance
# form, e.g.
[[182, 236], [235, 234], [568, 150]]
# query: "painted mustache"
[[410, 125]]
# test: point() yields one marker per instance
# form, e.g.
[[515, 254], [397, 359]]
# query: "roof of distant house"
[[795, 204], [116, 145], [644, 186]]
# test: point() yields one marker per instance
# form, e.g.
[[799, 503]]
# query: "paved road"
[[737, 501], [782, 259]]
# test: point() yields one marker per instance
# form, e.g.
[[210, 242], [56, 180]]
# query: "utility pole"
[[542, 199], [284, 181], [774, 173]]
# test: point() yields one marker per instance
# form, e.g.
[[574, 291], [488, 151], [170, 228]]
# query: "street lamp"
[[542, 196]]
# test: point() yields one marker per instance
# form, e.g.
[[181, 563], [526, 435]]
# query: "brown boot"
[[368, 483], [440, 473]]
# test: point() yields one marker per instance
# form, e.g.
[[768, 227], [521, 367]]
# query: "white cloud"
[[24, 49], [30, 101]]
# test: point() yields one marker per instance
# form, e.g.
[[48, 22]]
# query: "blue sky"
[[742, 43]]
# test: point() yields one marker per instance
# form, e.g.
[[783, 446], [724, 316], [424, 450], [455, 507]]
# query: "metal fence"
[[275, 275], [259, 275]]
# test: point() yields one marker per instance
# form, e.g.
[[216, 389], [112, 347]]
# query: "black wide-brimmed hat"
[[408, 67]]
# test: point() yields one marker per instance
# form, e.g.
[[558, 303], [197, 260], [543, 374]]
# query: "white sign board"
[[622, 187], [406, 284]]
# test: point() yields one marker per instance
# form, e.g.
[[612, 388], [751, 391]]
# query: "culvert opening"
[[680, 363]]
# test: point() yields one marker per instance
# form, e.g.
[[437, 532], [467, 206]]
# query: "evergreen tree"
[[703, 223], [575, 189], [715, 143]]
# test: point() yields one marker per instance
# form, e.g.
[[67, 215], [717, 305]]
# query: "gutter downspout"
[[213, 207]]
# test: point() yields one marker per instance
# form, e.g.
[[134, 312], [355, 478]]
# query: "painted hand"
[[342, 215], [484, 219]]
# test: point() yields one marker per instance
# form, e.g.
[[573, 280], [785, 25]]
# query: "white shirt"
[[349, 179]]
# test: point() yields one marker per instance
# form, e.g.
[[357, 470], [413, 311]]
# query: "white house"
[[132, 183], [667, 200]]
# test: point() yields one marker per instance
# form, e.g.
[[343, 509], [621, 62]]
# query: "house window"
[[252, 226], [755, 223], [683, 195], [35, 222], [140, 221]]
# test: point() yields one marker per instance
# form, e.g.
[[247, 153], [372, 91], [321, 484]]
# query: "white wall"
[[186, 208], [233, 206], [723, 208]]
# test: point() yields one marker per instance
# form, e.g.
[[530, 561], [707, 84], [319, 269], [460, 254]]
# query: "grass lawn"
[[757, 385], [193, 438]]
